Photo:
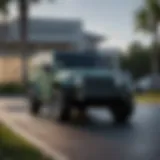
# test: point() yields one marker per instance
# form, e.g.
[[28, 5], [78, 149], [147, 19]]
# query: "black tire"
[[64, 107], [82, 112], [35, 106], [122, 110]]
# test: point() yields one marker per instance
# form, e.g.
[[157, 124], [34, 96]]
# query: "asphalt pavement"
[[97, 139]]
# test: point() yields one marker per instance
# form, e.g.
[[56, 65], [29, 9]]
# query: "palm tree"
[[23, 12], [23, 6], [4, 13], [3, 5], [23, 16], [147, 20]]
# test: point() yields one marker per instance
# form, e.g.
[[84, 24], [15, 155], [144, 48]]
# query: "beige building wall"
[[10, 69], [11, 63]]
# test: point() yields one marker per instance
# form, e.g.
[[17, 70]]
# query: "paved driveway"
[[98, 139]]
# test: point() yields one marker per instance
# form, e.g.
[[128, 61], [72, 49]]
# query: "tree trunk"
[[23, 17], [155, 57], [5, 21], [155, 52]]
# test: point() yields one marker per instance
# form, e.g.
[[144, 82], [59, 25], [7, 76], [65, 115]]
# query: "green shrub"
[[10, 88], [14, 147]]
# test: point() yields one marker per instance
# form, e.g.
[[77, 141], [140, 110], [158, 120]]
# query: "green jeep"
[[68, 81]]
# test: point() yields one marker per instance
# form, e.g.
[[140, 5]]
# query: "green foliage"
[[141, 21], [4, 5], [137, 60], [154, 8], [11, 88], [15, 148], [148, 17]]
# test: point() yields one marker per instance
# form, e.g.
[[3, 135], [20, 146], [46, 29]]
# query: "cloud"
[[115, 43]]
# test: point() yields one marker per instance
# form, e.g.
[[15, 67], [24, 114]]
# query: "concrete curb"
[[46, 150]]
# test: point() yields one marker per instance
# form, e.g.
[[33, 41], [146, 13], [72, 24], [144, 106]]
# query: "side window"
[[107, 61]]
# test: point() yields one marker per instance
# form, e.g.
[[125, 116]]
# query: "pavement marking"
[[41, 145]]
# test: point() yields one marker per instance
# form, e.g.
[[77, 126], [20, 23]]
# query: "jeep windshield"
[[82, 61]]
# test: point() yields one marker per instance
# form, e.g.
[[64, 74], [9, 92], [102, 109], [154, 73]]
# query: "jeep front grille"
[[99, 85]]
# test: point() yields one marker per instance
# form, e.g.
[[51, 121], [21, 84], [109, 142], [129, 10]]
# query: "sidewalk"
[[39, 142]]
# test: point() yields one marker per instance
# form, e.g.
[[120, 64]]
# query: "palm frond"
[[153, 7], [4, 5], [142, 20]]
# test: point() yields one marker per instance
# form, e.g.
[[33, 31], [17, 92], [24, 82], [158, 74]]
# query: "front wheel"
[[122, 110]]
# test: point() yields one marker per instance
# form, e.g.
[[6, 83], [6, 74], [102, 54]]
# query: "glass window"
[[82, 60]]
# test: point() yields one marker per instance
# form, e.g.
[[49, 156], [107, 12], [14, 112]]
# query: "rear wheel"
[[35, 106], [82, 112], [122, 110], [61, 107], [35, 103]]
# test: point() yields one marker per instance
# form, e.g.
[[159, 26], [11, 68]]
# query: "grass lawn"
[[13, 147], [148, 97]]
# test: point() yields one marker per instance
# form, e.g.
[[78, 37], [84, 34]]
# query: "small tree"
[[147, 20]]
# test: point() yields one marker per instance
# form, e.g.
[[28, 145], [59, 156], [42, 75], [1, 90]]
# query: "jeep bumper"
[[101, 100]]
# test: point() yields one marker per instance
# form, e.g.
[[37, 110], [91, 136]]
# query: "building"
[[43, 34], [60, 34]]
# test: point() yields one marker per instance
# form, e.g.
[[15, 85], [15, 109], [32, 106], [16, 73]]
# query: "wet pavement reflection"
[[98, 138]]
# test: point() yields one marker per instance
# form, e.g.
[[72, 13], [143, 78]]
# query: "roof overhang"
[[95, 37], [17, 45]]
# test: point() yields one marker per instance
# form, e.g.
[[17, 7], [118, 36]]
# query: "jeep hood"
[[87, 72]]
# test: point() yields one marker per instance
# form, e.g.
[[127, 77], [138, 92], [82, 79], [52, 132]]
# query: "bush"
[[11, 88]]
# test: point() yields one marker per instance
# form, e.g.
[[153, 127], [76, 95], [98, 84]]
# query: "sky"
[[114, 19]]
